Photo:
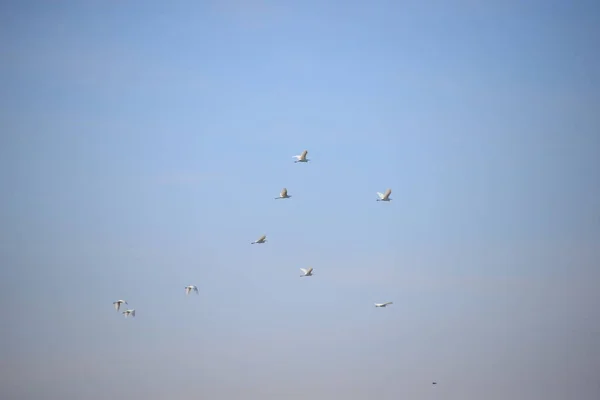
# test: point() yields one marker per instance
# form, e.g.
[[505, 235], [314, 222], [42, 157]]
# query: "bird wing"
[[380, 195], [304, 153], [133, 313], [262, 238], [304, 271], [187, 290], [387, 193], [195, 289], [389, 302], [309, 270], [284, 192], [117, 305]]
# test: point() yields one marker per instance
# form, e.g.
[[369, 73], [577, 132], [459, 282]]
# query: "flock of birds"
[[306, 272]]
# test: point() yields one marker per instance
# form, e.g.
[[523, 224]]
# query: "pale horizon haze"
[[142, 144]]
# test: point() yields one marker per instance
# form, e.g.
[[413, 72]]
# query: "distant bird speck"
[[189, 288], [127, 313], [261, 240], [118, 303], [302, 157], [383, 304], [384, 196], [306, 272], [283, 194]]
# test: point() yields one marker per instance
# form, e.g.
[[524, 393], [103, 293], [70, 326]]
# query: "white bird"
[[383, 304], [127, 313], [118, 303], [306, 272], [302, 157], [283, 194], [188, 289], [261, 240], [384, 196]]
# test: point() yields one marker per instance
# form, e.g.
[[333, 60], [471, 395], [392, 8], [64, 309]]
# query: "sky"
[[142, 144]]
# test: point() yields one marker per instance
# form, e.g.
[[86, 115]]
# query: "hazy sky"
[[143, 142]]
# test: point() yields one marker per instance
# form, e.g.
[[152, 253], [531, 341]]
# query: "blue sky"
[[142, 144]]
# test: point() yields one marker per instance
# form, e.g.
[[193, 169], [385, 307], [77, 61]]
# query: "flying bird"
[[283, 194], [383, 304], [302, 157], [306, 272], [261, 240], [384, 196], [118, 303], [434, 383], [127, 313], [188, 289]]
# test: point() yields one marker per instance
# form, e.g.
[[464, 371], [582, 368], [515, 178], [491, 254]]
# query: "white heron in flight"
[[283, 194], [261, 240], [306, 272], [302, 157], [188, 289], [383, 304], [384, 196], [127, 313], [118, 303]]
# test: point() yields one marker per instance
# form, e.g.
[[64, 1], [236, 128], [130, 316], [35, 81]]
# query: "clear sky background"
[[142, 145]]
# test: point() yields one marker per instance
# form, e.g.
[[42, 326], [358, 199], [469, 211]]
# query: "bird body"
[[127, 313], [283, 194], [302, 157], [118, 303], [306, 272], [384, 196], [189, 288], [383, 304], [261, 240]]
